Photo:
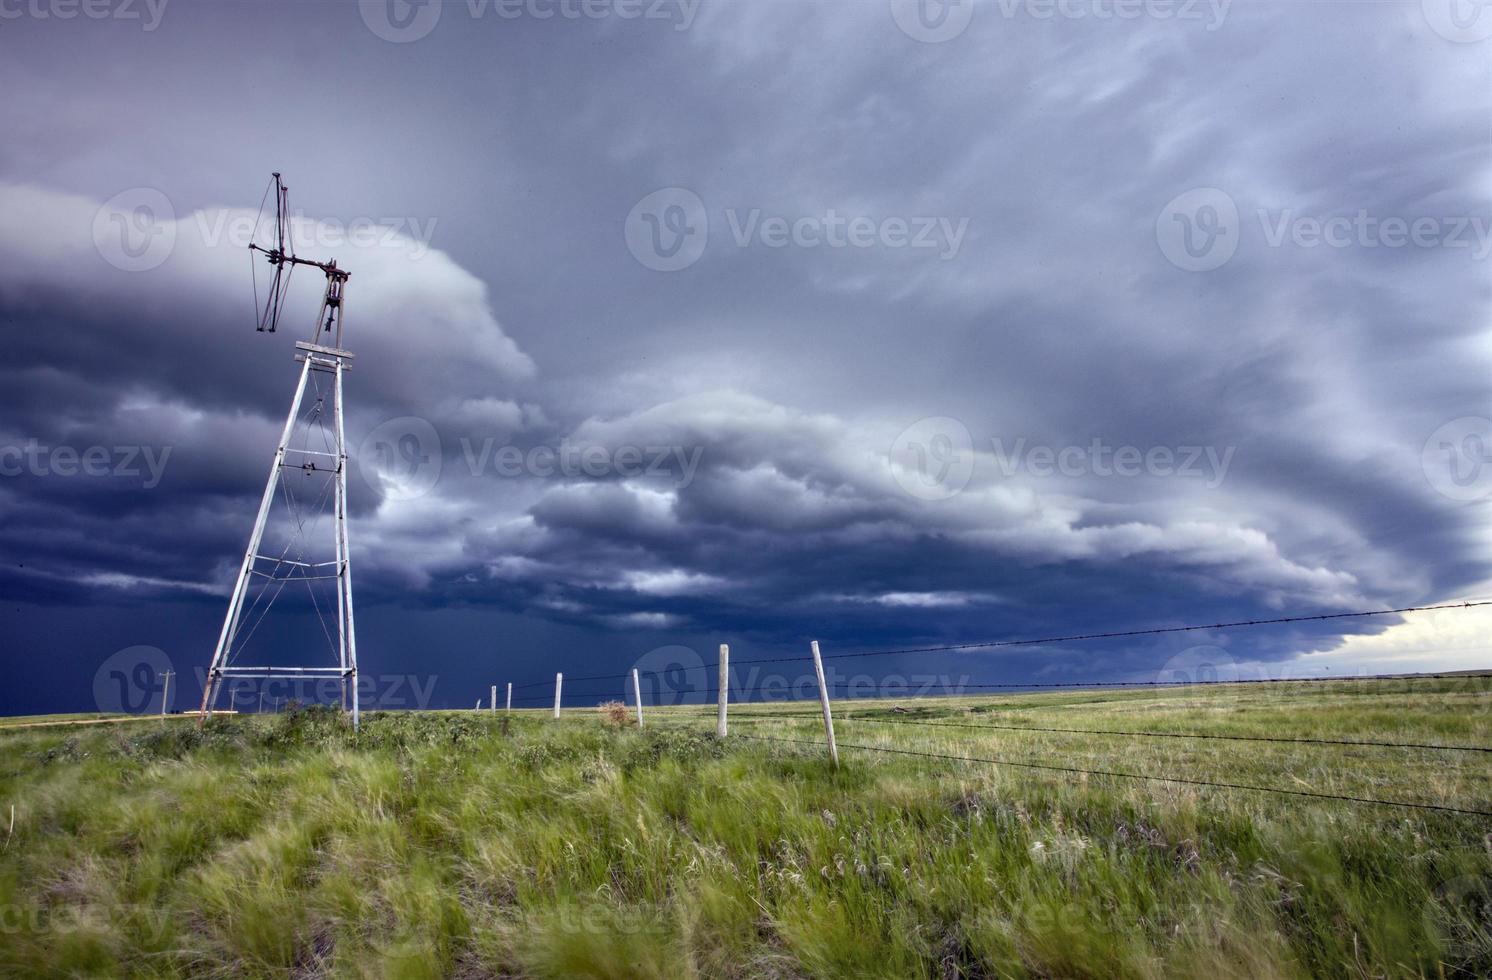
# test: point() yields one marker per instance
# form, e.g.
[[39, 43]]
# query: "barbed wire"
[[706, 695], [1070, 638], [1182, 780], [1145, 734]]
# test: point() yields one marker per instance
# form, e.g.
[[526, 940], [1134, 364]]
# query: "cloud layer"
[[1048, 419]]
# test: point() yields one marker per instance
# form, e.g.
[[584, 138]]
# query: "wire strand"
[[1074, 770]]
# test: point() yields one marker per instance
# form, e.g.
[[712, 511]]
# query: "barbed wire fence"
[[816, 689]]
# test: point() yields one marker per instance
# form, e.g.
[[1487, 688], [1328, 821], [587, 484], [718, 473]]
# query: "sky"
[[883, 323]]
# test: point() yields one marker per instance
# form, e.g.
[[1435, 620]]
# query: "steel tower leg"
[[347, 639], [240, 589]]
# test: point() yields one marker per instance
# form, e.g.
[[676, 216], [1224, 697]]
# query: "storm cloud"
[[757, 322]]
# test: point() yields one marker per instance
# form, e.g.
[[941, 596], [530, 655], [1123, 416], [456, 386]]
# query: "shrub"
[[614, 713]]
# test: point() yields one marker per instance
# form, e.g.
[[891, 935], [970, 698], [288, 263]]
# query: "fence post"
[[818, 669], [724, 696], [492, 701], [510, 697], [637, 695], [559, 682]]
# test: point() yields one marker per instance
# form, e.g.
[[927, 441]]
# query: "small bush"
[[614, 713]]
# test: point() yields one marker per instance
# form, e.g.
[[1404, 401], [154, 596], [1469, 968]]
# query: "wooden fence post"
[[559, 682], [724, 696], [492, 701], [510, 697], [637, 695], [818, 669]]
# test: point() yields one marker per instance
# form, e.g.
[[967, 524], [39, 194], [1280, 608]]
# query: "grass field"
[[467, 845]]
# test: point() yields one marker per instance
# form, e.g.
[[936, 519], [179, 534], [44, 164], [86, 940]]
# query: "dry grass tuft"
[[614, 713]]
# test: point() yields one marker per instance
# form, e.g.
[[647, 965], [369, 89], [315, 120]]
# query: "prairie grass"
[[465, 845]]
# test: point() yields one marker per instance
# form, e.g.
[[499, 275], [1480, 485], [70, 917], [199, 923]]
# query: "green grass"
[[462, 845]]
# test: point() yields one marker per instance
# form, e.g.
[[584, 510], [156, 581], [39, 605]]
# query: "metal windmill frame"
[[277, 571]]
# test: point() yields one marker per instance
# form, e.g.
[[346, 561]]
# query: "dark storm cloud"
[[752, 418]]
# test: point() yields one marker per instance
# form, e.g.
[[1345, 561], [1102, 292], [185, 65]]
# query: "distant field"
[[17, 721], [468, 845]]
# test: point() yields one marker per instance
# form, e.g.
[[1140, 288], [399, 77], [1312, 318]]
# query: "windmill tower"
[[307, 480]]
